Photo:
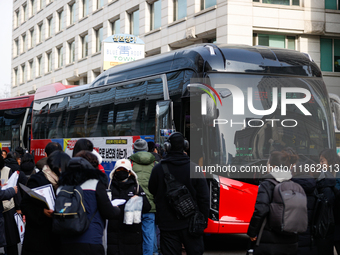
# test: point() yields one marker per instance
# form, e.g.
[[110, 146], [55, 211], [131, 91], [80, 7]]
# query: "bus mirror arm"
[[335, 107]]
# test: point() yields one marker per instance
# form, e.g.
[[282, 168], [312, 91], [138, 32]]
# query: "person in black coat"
[[123, 239], [325, 184], [307, 245], [272, 242], [39, 239], [11, 229], [5, 195], [27, 165], [174, 231]]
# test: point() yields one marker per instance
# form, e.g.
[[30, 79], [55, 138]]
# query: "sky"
[[6, 10]]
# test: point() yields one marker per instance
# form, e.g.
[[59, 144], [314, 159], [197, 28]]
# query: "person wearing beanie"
[[143, 162], [122, 238], [174, 231]]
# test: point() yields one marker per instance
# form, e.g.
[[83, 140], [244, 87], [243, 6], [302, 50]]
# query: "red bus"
[[15, 122], [234, 103]]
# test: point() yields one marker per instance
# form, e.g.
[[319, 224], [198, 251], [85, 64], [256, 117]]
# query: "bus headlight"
[[214, 198]]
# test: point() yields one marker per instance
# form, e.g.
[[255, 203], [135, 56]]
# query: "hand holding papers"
[[117, 202], [44, 193], [12, 181]]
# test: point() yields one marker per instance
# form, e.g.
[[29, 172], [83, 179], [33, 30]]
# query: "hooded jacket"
[[272, 242], [179, 166], [97, 204], [142, 164], [125, 239]]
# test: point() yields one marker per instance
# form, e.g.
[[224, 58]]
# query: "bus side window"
[[77, 111]]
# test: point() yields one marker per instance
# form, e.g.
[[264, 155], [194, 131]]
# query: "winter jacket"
[[4, 195], [271, 242], [157, 156], [97, 204], [142, 164], [179, 166], [308, 183], [38, 233], [125, 239], [326, 184], [11, 229]]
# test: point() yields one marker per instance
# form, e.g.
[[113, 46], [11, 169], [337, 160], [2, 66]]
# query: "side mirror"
[[164, 119]]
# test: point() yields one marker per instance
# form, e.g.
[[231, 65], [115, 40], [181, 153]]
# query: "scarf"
[[51, 177]]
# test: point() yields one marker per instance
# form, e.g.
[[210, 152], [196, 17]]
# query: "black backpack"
[[70, 216], [178, 195], [323, 216]]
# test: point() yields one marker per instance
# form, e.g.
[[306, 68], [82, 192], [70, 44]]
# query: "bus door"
[[15, 142]]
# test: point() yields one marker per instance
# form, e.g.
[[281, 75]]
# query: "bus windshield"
[[8, 119], [237, 131]]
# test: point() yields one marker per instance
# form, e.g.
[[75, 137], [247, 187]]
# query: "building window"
[[155, 15], [100, 3], [23, 74], [31, 70], [31, 38], [85, 10], [330, 55], [40, 30], [281, 2], [60, 56], [49, 27], [207, 3], [17, 19], [278, 41], [32, 12], [60, 20], [99, 39], [71, 46], [84, 46], [40, 67], [332, 4], [16, 41], [180, 9], [115, 27], [49, 61], [15, 77], [134, 23], [72, 13], [23, 43], [24, 9]]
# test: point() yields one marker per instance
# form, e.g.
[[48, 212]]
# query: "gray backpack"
[[288, 209]]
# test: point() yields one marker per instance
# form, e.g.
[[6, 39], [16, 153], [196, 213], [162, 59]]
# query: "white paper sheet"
[[117, 202], [12, 181], [43, 193], [48, 193]]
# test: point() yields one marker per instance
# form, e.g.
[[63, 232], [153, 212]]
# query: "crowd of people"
[[136, 177], [142, 176]]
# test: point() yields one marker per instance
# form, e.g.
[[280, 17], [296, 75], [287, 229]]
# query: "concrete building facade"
[[60, 40]]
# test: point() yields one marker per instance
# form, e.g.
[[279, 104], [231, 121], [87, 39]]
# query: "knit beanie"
[[140, 145], [177, 142]]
